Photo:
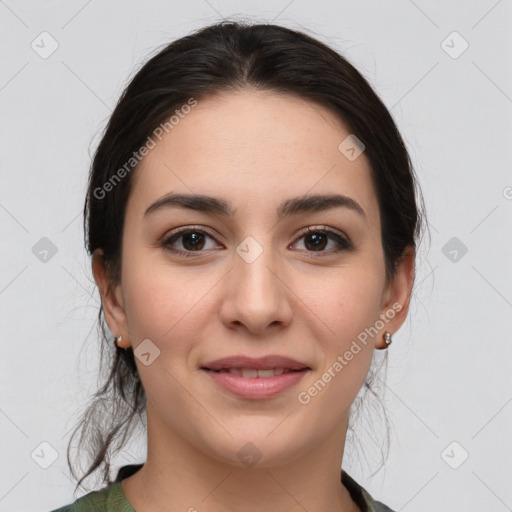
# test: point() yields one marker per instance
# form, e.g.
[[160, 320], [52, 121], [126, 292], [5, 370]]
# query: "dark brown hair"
[[225, 57]]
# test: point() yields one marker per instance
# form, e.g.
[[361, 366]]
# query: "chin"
[[259, 449]]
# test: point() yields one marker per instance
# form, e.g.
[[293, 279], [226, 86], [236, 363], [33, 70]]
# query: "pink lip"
[[256, 388]]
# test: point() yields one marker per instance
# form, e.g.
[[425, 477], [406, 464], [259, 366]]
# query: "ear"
[[397, 295], [111, 298]]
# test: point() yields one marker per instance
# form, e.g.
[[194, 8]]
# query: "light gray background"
[[449, 376]]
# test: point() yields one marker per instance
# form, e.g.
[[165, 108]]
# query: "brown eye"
[[316, 240], [192, 240]]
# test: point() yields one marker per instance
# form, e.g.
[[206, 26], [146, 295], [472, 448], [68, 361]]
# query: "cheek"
[[349, 304], [156, 296], [167, 306], [149, 304], [352, 302], [350, 308]]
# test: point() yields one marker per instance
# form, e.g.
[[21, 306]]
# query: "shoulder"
[[375, 506], [108, 499], [361, 496], [82, 504]]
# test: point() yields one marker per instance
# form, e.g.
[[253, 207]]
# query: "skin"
[[253, 149]]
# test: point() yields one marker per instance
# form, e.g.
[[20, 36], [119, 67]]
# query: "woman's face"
[[250, 282]]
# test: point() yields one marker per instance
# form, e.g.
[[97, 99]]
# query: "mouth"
[[244, 363], [251, 373], [252, 379]]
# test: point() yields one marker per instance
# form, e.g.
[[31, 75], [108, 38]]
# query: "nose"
[[255, 293]]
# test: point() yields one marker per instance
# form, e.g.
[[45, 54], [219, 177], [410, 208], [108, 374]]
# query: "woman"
[[252, 221]]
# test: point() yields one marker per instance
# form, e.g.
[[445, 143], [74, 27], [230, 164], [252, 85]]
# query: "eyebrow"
[[292, 206]]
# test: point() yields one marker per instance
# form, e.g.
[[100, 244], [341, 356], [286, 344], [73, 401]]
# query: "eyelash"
[[343, 244]]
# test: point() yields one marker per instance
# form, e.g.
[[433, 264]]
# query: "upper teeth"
[[251, 373]]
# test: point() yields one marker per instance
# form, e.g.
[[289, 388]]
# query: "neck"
[[177, 476]]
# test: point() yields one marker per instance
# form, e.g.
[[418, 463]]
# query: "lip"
[[255, 388], [260, 363]]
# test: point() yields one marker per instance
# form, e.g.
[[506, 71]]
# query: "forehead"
[[254, 148]]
